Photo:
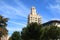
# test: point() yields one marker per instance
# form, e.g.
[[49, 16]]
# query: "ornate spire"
[[33, 10]]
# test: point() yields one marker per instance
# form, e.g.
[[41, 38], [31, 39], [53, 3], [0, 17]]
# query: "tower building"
[[34, 17]]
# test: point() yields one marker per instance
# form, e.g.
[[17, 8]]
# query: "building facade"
[[4, 37], [52, 22], [3, 34], [34, 17]]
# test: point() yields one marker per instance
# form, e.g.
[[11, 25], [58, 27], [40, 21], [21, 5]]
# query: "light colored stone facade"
[[4, 37], [52, 22], [3, 33], [34, 17], [57, 24]]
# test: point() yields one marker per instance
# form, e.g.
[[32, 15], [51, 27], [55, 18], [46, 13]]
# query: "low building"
[[52, 22]]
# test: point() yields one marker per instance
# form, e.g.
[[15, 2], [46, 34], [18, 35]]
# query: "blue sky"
[[17, 11]]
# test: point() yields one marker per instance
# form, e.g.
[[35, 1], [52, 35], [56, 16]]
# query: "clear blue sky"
[[17, 11]]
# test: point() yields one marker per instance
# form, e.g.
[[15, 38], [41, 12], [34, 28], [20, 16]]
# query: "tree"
[[53, 32], [58, 29], [50, 33], [3, 21], [3, 24], [15, 36], [31, 32], [44, 35]]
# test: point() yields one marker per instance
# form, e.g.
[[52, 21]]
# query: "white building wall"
[[4, 38], [34, 17], [57, 24]]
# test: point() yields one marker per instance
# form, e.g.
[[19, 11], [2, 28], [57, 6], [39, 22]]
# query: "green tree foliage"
[[3, 21], [58, 32], [50, 33], [34, 31], [53, 32], [31, 32], [44, 35], [15, 36], [3, 24]]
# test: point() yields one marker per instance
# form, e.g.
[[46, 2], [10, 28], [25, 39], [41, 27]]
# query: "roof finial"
[[33, 10]]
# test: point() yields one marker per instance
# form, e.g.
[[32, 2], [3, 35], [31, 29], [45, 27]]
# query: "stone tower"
[[34, 17]]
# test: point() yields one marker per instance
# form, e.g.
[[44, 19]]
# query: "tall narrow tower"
[[34, 17]]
